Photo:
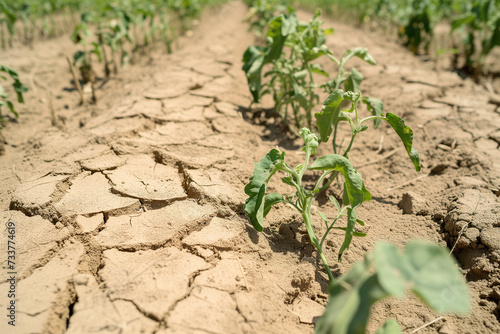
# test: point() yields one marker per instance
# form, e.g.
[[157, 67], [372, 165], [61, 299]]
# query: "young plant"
[[261, 12], [291, 78], [424, 268], [332, 114], [83, 58], [480, 20], [258, 205], [291, 81], [18, 87], [354, 193]]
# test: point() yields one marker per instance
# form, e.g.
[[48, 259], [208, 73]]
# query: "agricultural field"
[[210, 166]]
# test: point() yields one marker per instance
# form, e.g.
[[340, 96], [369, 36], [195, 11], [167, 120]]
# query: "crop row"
[[282, 65], [476, 23], [107, 32]]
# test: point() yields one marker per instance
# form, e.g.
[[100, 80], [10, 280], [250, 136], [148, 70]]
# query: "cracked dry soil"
[[129, 215]]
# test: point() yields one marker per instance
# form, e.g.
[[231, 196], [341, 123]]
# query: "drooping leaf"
[[253, 60], [361, 53], [376, 107], [425, 268], [78, 57], [256, 188], [406, 134], [316, 68], [462, 20], [349, 232], [353, 185], [270, 200], [353, 80], [328, 117], [278, 30]]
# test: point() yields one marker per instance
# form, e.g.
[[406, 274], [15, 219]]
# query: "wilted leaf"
[[406, 134]]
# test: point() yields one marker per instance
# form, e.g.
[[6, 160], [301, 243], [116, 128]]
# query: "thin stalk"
[[346, 153], [335, 139], [370, 118], [306, 214], [331, 226]]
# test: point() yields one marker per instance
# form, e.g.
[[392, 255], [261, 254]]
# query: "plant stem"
[[306, 215], [346, 153], [371, 117]]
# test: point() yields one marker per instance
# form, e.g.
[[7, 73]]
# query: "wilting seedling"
[[291, 79], [354, 194], [259, 204]]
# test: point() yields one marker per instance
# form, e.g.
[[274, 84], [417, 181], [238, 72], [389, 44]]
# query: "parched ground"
[[129, 215]]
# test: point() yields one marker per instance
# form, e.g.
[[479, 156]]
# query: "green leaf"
[[10, 106], [79, 56], [427, 270], [462, 20], [376, 107], [353, 80], [361, 53], [256, 188], [278, 30], [300, 75], [335, 202], [391, 269], [355, 234], [353, 185], [316, 68], [325, 219], [289, 24], [391, 326], [436, 278], [20, 89], [328, 117], [253, 60], [406, 134], [97, 51], [351, 297], [349, 231], [270, 200]]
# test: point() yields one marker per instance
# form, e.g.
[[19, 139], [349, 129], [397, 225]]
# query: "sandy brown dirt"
[[129, 215]]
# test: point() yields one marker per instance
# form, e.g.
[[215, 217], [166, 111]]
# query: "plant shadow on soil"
[[277, 130], [291, 237]]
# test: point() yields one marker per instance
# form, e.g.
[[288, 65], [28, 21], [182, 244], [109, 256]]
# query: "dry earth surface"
[[129, 215]]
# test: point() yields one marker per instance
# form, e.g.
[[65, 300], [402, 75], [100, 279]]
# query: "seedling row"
[[282, 65]]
